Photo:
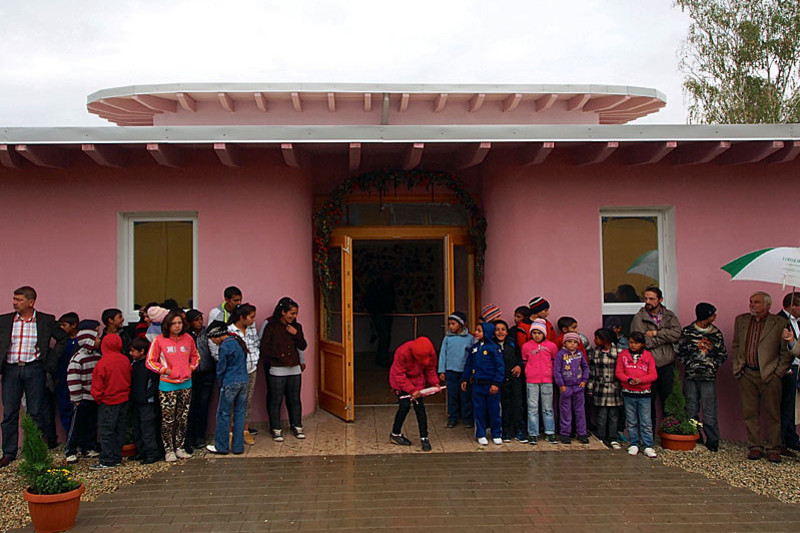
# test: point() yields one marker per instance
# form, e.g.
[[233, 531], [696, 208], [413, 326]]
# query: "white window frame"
[[125, 252], [668, 275]]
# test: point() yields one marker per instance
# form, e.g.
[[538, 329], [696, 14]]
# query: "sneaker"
[[451, 424], [583, 439], [499, 441], [72, 459], [615, 445], [92, 453], [253, 431], [483, 441], [248, 438], [565, 439], [276, 435], [298, 432], [101, 466], [505, 438], [399, 439], [181, 453], [551, 439], [170, 457], [633, 450], [533, 441], [426, 445], [650, 452], [213, 449], [521, 438]]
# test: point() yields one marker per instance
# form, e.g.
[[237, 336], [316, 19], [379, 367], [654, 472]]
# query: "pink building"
[[210, 185]]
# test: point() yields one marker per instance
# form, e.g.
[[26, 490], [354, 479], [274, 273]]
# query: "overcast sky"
[[56, 52]]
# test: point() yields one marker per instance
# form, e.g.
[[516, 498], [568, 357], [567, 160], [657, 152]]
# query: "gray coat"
[[668, 334]]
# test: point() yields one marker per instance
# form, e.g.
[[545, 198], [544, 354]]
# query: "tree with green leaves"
[[741, 61]]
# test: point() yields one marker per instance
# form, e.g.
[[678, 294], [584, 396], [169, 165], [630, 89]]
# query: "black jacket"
[[47, 329], [144, 383]]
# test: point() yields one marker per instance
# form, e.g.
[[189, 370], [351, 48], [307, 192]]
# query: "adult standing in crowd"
[[173, 356], [26, 358], [789, 438], [661, 329], [760, 360]]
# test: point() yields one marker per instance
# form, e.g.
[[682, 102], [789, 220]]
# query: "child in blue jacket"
[[452, 356], [485, 370]]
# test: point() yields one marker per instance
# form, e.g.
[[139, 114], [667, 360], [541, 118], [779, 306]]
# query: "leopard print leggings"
[[174, 417]]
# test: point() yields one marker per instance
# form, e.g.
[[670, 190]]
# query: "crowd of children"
[[509, 379]]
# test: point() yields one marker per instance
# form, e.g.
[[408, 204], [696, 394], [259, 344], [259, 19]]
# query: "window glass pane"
[[333, 321], [631, 261], [163, 258]]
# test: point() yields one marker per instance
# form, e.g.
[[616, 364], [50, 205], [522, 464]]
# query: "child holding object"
[[413, 367], [485, 369], [571, 372]]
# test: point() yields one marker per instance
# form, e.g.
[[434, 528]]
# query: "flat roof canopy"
[[351, 103]]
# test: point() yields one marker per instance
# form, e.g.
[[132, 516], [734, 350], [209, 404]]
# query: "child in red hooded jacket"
[[111, 387], [413, 369]]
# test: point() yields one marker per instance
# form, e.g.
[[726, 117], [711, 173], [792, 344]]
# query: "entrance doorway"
[[421, 274]]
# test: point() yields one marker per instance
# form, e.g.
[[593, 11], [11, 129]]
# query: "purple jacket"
[[570, 369]]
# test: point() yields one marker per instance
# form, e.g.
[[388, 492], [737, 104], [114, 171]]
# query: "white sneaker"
[[276, 435], [615, 445], [298, 432], [483, 441], [72, 459], [170, 457], [633, 450], [497, 441], [180, 453], [650, 452]]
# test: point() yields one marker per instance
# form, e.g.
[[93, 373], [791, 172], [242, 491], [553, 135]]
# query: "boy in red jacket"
[[414, 365], [111, 387], [636, 371]]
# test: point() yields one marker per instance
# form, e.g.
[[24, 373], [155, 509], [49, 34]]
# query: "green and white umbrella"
[[773, 265]]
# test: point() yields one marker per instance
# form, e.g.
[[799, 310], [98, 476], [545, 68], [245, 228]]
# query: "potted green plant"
[[678, 431], [53, 493]]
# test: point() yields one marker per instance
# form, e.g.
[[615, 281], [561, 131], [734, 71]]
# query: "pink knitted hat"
[[157, 314]]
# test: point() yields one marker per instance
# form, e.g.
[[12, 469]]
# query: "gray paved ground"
[[576, 491]]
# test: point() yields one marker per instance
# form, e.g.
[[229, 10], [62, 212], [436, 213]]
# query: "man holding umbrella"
[[760, 359]]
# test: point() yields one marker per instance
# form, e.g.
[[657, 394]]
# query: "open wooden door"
[[336, 335]]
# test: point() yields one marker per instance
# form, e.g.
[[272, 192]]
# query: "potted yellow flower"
[[53, 494]]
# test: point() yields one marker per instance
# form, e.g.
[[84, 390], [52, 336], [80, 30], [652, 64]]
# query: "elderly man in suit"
[[761, 358], [25, 357]]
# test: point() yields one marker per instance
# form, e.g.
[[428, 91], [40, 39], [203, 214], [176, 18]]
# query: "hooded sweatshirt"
[[636, 365], [453, 353], [81, 366], [539, 361], [484, 365], [111, 379], [414, 365]]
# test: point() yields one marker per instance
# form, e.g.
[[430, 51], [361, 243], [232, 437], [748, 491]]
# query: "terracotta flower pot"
[[678, 442], [128, 450], [54, 512]]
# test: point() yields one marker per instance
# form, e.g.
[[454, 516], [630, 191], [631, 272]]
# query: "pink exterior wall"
[[254, 232], [544, 238]]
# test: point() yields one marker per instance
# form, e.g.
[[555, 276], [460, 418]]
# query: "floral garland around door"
[[330, 215]]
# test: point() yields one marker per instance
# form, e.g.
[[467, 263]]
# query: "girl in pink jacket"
[[538, 355], [636, 372]]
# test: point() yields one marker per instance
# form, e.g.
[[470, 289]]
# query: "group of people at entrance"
[[502, 380], [106, 381]]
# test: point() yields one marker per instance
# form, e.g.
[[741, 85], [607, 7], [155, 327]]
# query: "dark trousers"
[[703, 394], [486, 407], [661, 388], [511, 405], [607, 423], [145, 429], [82, 433], [789, 438], [757, 395], [64, 406], [403, 407], [112, 422], [16, 381], [287, 387], [202, 387], [459, 402]]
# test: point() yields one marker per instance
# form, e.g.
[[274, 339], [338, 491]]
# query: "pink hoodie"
[[180, 357], [539, 361]]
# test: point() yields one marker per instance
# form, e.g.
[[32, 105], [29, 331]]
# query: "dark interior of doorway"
[[398, 291]]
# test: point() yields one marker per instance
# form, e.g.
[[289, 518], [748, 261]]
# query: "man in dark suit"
[[25, 359], [789, 438], [760, 359]]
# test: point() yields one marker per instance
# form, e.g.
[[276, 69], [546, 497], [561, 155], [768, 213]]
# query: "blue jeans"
[[638, 420], [545, 391], [459, 402], [231, 396]]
